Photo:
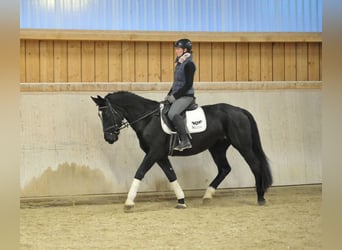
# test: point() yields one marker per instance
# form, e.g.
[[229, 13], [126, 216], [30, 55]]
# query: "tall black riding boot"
[[179, 124]]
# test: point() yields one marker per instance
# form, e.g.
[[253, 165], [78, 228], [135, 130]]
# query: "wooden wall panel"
[[302, 61], [266, 62], [195, 58], [313, 61], [74, 61], [254, 56], [320, 61], [290, 62], [60, 61], [205, 63], [46, 61], [154, 62], [278, 62], [32, 61], [115, 61], [141, 62], [88, 61], [167, 62], [218, 62], [242, 62], [101, 61], [230, 62], [22, 61], [128, 62]]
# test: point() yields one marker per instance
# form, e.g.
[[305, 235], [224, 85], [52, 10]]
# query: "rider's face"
[[179, 51]]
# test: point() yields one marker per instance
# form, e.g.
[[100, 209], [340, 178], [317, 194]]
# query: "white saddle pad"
[[195, 121]]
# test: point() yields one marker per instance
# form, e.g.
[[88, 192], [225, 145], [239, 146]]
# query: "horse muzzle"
[[110, 137]]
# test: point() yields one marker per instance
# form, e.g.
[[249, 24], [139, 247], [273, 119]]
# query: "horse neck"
[[134, 107]]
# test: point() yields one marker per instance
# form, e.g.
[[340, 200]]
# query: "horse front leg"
[[144, 167], [166, 166]]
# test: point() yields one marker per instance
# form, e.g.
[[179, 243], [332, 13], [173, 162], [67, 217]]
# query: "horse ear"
[[98, 100]]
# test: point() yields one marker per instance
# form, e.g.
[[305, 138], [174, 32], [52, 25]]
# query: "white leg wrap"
[[132, 192], [209, 193], [177, 189]]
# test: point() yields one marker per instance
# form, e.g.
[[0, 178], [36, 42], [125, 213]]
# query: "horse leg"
[[218, 152], [254, 164], [146, 165], [166, 166]]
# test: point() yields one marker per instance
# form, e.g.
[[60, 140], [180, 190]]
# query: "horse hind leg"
[[254, 165], [218, 152]]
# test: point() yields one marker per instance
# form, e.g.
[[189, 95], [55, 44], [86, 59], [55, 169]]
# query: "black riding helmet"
[[184, 44]]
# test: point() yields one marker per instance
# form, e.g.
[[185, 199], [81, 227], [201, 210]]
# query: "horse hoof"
[[206, 201], [262, 202], [180, 206], [128, 208]]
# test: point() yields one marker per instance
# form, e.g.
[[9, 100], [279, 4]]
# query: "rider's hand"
[[170, 98]]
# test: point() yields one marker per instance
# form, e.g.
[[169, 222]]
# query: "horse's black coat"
[[226, 125]]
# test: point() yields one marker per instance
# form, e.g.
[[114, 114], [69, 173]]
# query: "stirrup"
[[181, 146]]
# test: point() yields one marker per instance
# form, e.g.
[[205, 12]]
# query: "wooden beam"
[[165, 86], [166, 36]]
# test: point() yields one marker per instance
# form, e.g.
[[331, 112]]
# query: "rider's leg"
[[178, 107], [180, 128]]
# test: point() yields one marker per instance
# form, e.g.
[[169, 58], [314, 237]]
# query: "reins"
[[125, 124]]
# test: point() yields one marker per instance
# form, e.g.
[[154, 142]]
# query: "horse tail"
[[266, 175]]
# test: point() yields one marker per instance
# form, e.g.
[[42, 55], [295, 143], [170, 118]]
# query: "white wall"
[[63, 150]]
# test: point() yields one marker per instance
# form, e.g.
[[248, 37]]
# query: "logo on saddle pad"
[[195, 121]]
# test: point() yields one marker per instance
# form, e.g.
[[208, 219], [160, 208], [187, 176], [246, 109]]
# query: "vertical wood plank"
[[313, 61], [290, 62], [230, 61], [195, 58], [154, 62], [302, 61], [205, 63], [115, 62], [46, 61], [266, 61], [254, 55], [88, 61], [74, 61], [101, 61], [128, 62], [141, 61], [32, 61], [60, 61], [278, 62], [320, 61], [22, 61], [218, 62], [242, 62], [167, 62]]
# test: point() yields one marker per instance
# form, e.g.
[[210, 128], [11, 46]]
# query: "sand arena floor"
[[291, 219]]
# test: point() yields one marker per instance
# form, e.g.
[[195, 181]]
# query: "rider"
[[181, 94]]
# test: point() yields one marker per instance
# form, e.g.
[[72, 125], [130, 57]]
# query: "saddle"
[[194, 117]]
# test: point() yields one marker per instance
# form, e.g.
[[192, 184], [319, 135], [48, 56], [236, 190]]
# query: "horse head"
[[110, 118]]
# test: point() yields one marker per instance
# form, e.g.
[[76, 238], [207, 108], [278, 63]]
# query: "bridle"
[[115, 123], [124, 124]]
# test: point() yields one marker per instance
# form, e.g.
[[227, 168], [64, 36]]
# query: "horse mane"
[[126, 98]]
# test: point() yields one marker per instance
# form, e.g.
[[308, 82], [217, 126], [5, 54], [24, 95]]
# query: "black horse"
[[226, 125]]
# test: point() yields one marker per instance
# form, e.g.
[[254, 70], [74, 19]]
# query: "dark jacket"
[[183, 79]]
